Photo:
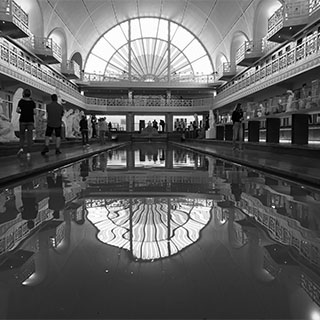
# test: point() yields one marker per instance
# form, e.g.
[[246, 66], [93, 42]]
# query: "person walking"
[[27, 108], [54, 123], [84, 131], [237, 118]]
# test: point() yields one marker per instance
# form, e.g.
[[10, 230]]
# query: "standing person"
[[29, 204], [54, 122], [102, 130], [237, 118], [56, 194], [84, 131], [27, 108]]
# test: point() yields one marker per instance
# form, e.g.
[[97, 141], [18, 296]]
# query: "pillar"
[[169, 122], [273, 130], [228, 132], [220, 132], [130, 122], [300, 129], [253, 130]]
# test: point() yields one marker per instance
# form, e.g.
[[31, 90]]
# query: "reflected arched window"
[[148, 49]]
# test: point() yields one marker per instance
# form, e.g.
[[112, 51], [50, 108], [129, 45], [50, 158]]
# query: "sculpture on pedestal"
[[68, 120], [6, 128]]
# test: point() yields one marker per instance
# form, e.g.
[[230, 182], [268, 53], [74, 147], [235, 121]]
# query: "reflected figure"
[[84, 169], [29, 204], [56, 196]]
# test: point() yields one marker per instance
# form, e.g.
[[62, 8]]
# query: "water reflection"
[[150, 228], [155, 203]]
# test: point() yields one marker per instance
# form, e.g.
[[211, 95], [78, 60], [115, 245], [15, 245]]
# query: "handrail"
[[307, 49], [179, 78], [9, 54], [149, 102]]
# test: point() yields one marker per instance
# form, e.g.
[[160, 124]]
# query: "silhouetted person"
[[56, 196], [29, 204]]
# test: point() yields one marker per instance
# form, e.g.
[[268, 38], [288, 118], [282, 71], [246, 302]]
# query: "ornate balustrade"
[[290, 11], [249, 52], [314, 5], [71, 70], [148, 102], [226, 71], [179, 78], [11, 12], [47, 49], [19, 64], [288, 61]]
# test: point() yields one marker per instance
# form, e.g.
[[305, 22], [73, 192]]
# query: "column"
[[273, 130], [253, 131], [220, 132], [300, 128], [228, 132], [130, 122], [169, 122]]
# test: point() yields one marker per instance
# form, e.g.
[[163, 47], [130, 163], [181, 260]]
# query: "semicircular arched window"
[[148, 49]]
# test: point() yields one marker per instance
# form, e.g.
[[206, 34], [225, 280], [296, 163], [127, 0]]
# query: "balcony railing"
[[11, 11], [14, 58], [179, 78], [149, 102], [287, 60], [314, 5], [47, 49], [226, 71], [71, 70], [249, 51], [292, 13]]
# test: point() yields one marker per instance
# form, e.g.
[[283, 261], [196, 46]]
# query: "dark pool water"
[[153, 231]]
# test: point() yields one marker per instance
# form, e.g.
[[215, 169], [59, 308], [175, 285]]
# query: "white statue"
[[6, 127], [211, 133], [76, 123], [289, 101], [68, 120]]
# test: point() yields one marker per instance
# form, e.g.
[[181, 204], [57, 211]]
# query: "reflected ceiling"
[[150, 228]]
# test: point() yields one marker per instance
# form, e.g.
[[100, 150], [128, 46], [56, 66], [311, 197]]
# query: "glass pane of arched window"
[[163, 30], [103, 49], [135, 29], [95, 65], [182, 38], [148, 42], [202, 66], [116, 37], [194, 50], [149, 27]]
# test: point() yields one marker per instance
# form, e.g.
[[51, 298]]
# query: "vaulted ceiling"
[[83, 22]]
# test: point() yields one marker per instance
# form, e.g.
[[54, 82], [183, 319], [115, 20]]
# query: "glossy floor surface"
[[155, 231]]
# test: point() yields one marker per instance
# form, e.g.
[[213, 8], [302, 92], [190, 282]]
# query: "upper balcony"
[[275, 68], [14, 21], [249, 53], [71, 70], [120, 80], [47, 50], [226, 71], [147, 105], [288, 20]]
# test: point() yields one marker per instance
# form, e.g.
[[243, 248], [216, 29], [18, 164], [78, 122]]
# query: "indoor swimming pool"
[[155, 231]]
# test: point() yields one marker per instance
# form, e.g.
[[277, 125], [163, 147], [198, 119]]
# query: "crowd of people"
[[54, 117]]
